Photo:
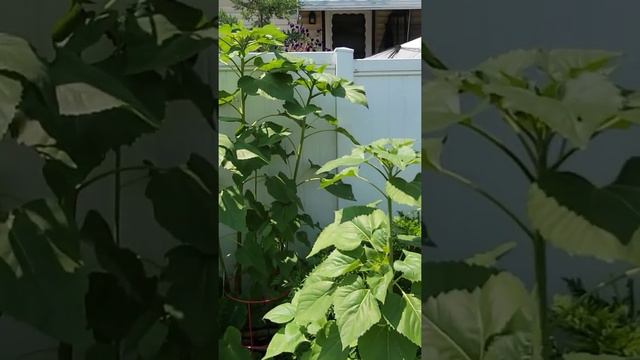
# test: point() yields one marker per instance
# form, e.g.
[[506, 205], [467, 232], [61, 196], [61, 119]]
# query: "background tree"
[[226, 18], [260, 12]]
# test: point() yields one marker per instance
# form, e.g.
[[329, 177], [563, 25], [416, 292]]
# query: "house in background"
[[367, 26]]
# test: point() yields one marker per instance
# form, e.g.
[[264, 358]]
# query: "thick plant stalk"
[[540, 258], [117, 193], [116, 215], [390, 210]]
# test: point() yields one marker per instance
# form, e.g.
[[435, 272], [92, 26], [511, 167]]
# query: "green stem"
[[540, 258], [502, 147], [387, 177], [540, 249], [104, 175], [563, 158], [117, 191], [303, 126], [116, 215], [492, 199], [299, 153], [390, 210]]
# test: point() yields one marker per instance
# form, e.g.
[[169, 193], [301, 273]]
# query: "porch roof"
[[320, 5]]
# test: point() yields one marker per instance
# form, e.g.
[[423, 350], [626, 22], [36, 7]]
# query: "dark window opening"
[[399, 30], [348, 30]]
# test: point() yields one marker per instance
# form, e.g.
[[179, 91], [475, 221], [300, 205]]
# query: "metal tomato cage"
[[250, 304]]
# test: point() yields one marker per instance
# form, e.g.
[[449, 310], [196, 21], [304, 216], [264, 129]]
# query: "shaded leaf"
[[582, 219], [403, 192], [382, 343], [192, 295], [327, 345], [184, 202], [42, 276], [460, 324], [443, 277], [230, 346]]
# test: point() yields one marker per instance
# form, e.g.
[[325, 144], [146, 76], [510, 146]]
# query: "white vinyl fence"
[[393, 88]]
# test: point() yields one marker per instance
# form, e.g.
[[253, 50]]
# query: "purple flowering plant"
[[299, 39]]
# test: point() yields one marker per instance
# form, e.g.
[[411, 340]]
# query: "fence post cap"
[[343, 50]]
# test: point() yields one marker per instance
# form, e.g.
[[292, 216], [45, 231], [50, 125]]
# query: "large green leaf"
[[232, 211], [286, 340], [100, 111], [18, 58], [273, 85], [341, 190], [403, 192], [460, 324], [404, 314], [184, 83], [398, 152], [443, 277], [510, 64], [281, 314], [593, 98], [379, 284], [347, 234], [582, 219], [341, 235], [34, 126], [43, 280], [111, 311], [122, 263], [382, 343], [281, 188], [440, 105], [121, 302], [347, 172], [327, 345], [89, 33], [184, 202], [10, 97], [565, 63], [356, 158], [410, 266], [253, 259], [431, 151], [314, 300], [339, 263], [356, 310], [83, 89], [556, 114], [193, 292], [163, 37], [352, 92]]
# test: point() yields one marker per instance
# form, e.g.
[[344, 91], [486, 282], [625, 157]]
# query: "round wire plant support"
[[250, 304]]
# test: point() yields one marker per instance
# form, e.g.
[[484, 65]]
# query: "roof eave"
[[352, 8]]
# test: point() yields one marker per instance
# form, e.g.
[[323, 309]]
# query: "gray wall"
[[184, 132], [465, 32]]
